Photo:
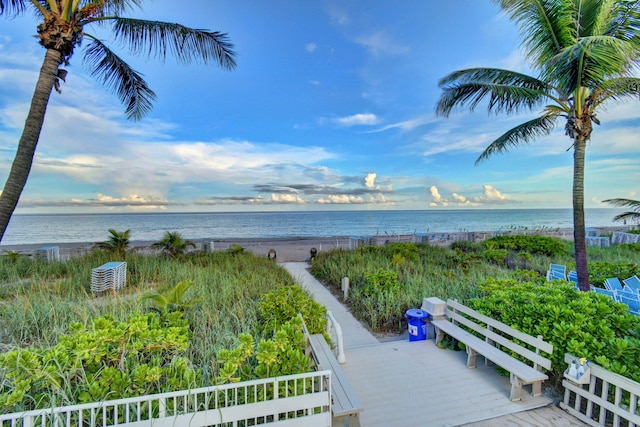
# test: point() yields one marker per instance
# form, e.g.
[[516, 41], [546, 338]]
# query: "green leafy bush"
[[284, 303], [584, 324], [105, 360], [283, 354], [601, 270], [540, 245], [381, 282], [466, 247], [496, 256]]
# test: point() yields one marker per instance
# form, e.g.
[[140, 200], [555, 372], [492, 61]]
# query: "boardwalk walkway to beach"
[[402, 383]]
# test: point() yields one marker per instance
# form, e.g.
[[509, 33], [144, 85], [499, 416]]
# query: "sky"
[[331, 107]]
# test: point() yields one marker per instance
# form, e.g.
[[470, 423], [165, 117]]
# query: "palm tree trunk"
[[579, 237], [29, 140]]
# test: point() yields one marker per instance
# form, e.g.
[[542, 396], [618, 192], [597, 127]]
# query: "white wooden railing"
[[332, 323], [295, 400], [607, 399]]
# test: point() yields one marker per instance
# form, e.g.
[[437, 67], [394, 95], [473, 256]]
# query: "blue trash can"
[[417, 324]]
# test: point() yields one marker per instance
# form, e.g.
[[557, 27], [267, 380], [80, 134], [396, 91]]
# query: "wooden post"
[[345, 287]]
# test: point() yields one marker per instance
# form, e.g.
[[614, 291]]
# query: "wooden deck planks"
[[400, 383]]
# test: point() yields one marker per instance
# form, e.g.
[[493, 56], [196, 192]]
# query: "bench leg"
[[471, 357], [439, 336], [516, 388], [536, 388]]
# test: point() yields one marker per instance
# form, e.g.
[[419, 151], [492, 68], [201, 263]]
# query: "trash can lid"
[[417, 313]]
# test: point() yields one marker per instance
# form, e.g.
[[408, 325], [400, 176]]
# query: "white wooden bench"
[[495, 344], [345, 405]]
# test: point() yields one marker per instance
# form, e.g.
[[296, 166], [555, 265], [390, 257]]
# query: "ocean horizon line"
[[145, 226], [306, 211]]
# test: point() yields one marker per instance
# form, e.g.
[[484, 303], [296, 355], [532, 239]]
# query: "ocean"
[[82, 228]]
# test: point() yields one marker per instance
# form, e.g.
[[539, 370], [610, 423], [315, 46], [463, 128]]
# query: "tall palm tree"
[[63, 27], [633, 215], [585, 53], [172, 244], [118, 242]]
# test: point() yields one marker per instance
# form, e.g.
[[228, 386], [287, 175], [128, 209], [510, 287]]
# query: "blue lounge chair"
[[632, 283], [631, 301], [573, 276], [557, 271], [607, 292], [613, 284]]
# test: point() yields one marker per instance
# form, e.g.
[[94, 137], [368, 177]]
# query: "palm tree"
[[585, 54], [633, 215], [118, 242], [172, 244], [63, 27]]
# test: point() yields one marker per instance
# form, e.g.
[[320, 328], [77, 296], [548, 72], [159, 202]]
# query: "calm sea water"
[[72, 228]]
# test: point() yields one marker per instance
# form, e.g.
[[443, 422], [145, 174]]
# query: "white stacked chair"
[[47, 253], [110, 276]]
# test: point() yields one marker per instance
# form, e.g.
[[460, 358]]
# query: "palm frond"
[[590, 61], [12, 7], [617, 89], [187, 45], [111, 7], [503, 90], [627, 215], [520, 135], [624, 203], [619, 17], [117, 75], [545, 26]]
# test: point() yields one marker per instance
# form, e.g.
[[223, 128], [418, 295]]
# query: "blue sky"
[[331, 107]]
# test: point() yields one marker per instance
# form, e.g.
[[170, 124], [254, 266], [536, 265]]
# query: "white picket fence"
[[607, 399], [302, 400]]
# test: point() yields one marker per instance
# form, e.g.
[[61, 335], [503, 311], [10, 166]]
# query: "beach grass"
[[39, 300], [433, 271]]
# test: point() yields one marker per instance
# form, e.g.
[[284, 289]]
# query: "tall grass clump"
[[388, 280]]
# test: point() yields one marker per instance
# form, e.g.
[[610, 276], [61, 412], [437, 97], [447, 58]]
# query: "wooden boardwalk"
[[402, 383]]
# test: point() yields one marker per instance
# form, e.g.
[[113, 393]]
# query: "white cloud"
[[358, 119], [379, 43], [370, 180], [492, 195], [408, 125], [287, 198], [341, 199], [459, 198], [435, 195], [155, 168], [337, 15], [310, 47]]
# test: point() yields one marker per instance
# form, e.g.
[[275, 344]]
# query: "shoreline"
[[297, 248]]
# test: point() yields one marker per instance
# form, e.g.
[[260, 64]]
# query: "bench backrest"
[[500, 333]]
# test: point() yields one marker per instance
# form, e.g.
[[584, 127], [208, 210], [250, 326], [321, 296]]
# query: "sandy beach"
[[297, 249]]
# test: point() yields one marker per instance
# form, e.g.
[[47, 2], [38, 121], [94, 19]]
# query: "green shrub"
[[601, 270], [284, 303], [584, 324], [382, 282], [540, 245], [105, 360], [466, 247], [283, 354], [496, 256]]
